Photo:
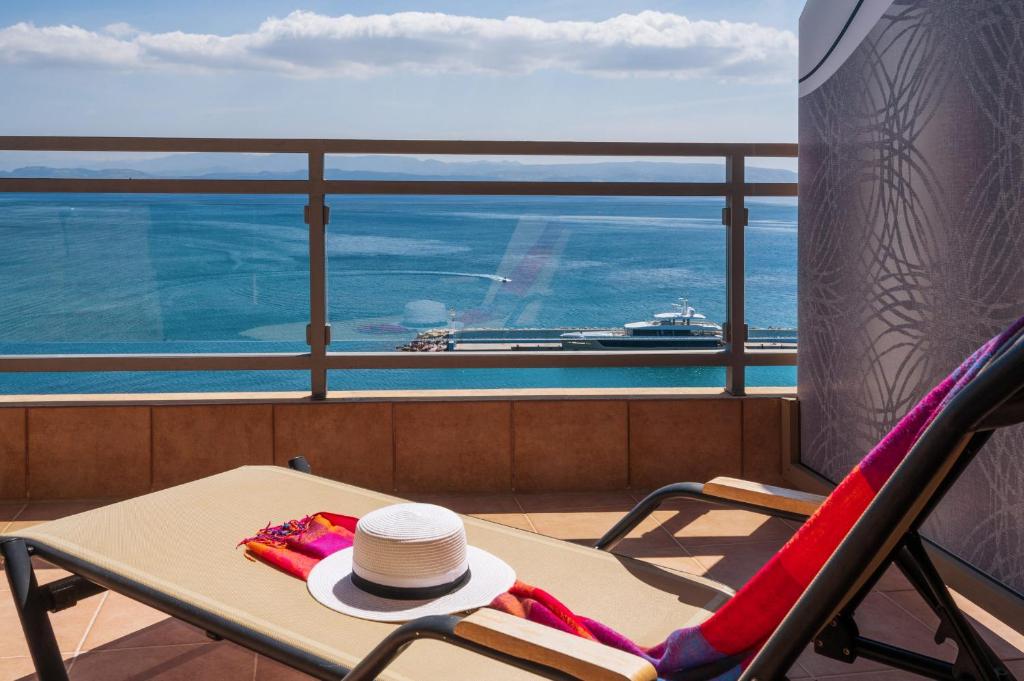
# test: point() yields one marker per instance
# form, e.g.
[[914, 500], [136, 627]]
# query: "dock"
[[539, 339]]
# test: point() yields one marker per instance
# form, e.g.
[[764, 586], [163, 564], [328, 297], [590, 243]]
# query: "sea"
[[172, 274]]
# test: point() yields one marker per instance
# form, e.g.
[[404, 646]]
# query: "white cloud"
[[25, 43], [120, 29], [310, 45]]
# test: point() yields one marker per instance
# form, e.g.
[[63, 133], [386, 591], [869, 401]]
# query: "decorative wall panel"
[[912, 246]]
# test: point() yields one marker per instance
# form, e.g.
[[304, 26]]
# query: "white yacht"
[[682, 328]]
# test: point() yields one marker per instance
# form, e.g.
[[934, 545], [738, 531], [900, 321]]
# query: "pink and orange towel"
[[741, 626], [297, 545]]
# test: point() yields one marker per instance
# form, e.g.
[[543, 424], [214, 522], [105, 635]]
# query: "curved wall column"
[[912, 246]]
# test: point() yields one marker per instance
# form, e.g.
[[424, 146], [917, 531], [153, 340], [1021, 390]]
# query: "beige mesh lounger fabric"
[[130, 539]]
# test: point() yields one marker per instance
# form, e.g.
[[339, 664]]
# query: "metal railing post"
[[735, 219], [318, 331]]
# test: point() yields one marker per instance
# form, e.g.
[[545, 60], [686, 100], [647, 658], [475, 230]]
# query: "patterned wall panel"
[[912, 246]]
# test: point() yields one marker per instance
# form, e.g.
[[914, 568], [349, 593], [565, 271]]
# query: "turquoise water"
[[104, 274]]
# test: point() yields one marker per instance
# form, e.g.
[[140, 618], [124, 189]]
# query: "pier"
[[536, 339]]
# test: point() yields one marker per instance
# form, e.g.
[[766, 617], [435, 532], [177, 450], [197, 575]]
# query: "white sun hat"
[[407, 561]]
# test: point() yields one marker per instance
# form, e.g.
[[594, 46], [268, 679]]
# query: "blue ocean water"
[[105, 273]]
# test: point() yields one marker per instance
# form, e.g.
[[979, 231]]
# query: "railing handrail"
[[734, 356], [407, 146], [408, 187]]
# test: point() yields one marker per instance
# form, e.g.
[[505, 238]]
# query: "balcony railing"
[[734, 356]]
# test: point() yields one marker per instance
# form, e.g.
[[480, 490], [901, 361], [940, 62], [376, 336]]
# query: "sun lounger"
[[174, 550], [136, 547]]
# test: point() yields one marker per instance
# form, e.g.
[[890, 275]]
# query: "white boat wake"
[[473, 275]]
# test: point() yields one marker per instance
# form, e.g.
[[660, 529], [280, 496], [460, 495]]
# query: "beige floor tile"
[[45, 573], [988, 624], [9, 511], [880, 618], [648, 540], [795, 524], [798, 672], [1005, 642], [8, 514], [734, 564], [497, 508], [471, 504], [69, 626], [893, 580], [269, 670], [517, 520], [198, 662], [639, 493], [124, 623], [17, 669], [620, 502], [41, 511], [696, 523], [681, 563], [882, 675], [821, 667]]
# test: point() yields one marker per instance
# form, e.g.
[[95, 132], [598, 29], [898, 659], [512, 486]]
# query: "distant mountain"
[[80, 173], [255, 166]]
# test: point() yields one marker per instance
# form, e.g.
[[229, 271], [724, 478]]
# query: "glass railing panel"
[[152, 165], [771, 377], [104, 274], [524, 168], [771, 272], [496, 379], [485, 273], [121, 382]]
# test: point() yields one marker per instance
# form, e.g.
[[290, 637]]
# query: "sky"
[[650, 70]]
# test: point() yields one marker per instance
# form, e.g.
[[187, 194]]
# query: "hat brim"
[[330, 583]]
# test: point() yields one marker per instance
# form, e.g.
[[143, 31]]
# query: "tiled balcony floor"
[[109, 637]]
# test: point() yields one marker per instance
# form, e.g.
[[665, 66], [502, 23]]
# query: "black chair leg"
[[300, 464], [31, 603], [974, 656]]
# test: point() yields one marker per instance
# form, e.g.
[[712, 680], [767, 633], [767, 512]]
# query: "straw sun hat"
[[406, 561]]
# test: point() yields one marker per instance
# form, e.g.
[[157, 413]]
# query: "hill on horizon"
[[378, 167]]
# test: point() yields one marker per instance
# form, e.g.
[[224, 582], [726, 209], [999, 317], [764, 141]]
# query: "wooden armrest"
[[580, 657], [777, 498]]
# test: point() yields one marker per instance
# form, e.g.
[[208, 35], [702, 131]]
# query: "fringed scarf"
[[297, 545]]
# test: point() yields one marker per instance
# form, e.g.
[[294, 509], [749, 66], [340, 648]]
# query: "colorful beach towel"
[[734, 633], [297, 545]]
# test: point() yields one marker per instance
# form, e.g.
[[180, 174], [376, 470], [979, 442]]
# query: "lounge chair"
[[135, 547]]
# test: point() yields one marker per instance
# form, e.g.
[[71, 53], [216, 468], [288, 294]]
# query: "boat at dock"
[[683, 328]]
